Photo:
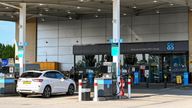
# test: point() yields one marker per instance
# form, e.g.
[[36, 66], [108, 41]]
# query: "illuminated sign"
[[115, 49], [20, 53]]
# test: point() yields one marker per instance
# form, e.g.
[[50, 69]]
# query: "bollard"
[[95, 91], [80, 89], [129, 88], [165, 81]]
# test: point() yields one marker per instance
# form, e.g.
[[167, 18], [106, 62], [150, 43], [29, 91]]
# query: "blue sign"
[[170, 46], [26, 44], [5, 62]]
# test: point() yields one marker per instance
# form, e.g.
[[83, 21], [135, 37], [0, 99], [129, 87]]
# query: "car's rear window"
[[31, 75]]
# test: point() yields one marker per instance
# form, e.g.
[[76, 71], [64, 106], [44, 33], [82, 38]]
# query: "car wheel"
[[47, 92], [23, 95], [71, 90]]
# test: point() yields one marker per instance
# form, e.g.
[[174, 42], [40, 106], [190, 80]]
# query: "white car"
[[45, 83]]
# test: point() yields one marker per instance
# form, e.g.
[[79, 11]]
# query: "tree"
[[1, 50], [7, 51]]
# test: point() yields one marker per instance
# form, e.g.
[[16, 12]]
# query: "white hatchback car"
[[45, 83]]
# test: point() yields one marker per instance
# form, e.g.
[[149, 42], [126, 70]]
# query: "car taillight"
[[38, 80]]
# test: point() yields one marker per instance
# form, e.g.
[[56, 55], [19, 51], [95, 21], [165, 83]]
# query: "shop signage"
[[170, 46], [134, 48], [144, 49]]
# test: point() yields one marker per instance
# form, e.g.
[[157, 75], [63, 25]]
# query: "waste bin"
[[136, 77], [90, 76], [178, 79], [86, 91], [186, 78]]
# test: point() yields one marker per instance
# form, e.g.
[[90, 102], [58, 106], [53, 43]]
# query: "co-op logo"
[[170, 46]]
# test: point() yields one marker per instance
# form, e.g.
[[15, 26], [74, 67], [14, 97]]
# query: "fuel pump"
[[165, 80]]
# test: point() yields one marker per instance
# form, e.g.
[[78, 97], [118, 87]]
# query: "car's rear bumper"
[[30, 90]]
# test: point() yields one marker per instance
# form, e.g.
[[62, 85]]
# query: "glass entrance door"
[[155, 72], [166, 67], [173, 65]]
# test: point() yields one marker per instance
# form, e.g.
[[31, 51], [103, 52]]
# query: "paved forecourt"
[[141, 98]]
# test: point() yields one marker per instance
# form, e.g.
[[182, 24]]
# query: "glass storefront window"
[[139, 58], [129, 59], [179, 62], [142, 59]]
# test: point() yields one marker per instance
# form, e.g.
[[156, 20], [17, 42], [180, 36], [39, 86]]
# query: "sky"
[[7, 32]]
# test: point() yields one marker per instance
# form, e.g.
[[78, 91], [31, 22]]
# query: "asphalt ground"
[[141, 98]]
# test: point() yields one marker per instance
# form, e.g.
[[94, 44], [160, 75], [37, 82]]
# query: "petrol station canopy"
[[68, 9]]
